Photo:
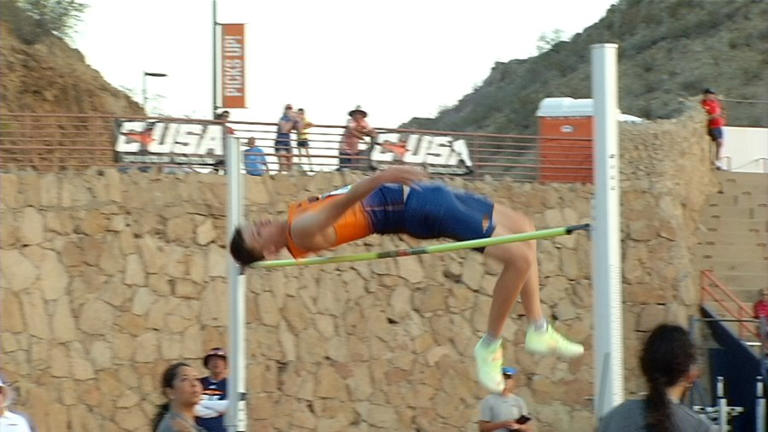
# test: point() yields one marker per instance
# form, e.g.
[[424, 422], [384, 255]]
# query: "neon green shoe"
[[488, 361], [549, 341]]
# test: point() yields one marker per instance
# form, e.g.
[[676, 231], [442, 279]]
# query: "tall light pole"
[[215, 60], [144, 86]]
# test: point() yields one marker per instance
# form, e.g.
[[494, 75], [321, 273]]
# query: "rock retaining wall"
[[107, 278]]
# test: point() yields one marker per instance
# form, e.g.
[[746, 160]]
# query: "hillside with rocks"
[[669, 50], [52, 77]]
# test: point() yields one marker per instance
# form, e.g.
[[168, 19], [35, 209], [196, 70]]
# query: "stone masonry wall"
[[106, 278]]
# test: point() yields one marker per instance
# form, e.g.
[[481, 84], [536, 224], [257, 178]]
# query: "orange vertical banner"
[[233, 65]]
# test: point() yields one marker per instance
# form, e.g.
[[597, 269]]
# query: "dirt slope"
[[52, 77]]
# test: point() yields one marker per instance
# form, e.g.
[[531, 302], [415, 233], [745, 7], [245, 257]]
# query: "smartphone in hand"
[[523, 419]]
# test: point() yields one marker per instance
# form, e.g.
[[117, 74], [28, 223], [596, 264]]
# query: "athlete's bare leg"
[[520, 274], [519, 277]]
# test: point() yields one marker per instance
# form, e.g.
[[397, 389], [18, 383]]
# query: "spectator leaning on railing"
[[224, 116], [283, 148], [357, 129], [302, 141]]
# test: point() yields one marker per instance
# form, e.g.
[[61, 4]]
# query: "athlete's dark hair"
[[667, 357], [169, 376], [240, 252]]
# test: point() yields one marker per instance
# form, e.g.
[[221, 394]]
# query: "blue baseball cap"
[[214, 352], [508, 370]]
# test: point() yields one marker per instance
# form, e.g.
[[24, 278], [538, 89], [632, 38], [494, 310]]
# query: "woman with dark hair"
[[181, 385], [668, 362]]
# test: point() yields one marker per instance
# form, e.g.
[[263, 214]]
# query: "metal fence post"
[[759, 404], [722, 405]]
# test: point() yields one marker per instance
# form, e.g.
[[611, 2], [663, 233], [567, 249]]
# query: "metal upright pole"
[[722, 405], [214, 62], [144, 92], [606, 240], [236, 418]]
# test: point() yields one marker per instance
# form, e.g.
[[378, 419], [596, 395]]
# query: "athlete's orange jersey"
[[352, 225]]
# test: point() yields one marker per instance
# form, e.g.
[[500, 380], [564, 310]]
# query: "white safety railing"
[[745, 149]]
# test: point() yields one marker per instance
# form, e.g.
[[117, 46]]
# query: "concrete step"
[[741, 200], [734, 266], [743, 280], [741, 177], [744, 252], [756, 191], [734, 224], [732, 239], [746, 182], [736, 212], [747, 295], [707, 232], [756, 280], [738, 176]]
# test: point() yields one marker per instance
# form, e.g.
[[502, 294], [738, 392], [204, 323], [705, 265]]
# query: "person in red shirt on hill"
[[715, 124]]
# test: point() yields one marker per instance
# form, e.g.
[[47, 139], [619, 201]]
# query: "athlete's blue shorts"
[[431, 210]]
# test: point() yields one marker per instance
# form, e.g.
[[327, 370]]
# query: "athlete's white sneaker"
[[549, 341], [488, 361]]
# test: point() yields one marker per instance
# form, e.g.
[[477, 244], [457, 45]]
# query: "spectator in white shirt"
[[10, 422]]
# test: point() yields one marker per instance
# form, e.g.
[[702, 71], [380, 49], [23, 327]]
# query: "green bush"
[[32, 20]]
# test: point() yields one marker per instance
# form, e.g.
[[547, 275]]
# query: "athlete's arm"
[[311, 223]]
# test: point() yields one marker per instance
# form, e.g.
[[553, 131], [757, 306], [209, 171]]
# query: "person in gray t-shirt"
[[499, 412], [668, 362]]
